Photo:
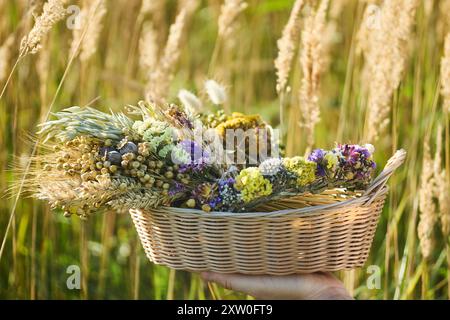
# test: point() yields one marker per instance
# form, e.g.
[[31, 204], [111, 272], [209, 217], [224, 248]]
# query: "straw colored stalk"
[[5, 55], [91, 17], [386, 53], [443, 21], [442, 188], [229, 12], [150, 6], [53, 12], [148, 47], [427, 207], [43, 69], [159, 78], [287, 45], [445, 75], [189, 5], [311, 60]]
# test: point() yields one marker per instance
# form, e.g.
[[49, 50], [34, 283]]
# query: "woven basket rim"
[[357, 200]]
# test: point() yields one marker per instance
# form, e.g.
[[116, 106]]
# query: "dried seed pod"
[[103, 152], [169, 174], [124, 163], [135, 164], [114, 157], [206, 208], [128, 156], [190, 203], [129, 147]]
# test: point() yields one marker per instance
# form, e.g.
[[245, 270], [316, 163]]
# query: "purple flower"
[[176, 189], [317, 156], [199, 158]]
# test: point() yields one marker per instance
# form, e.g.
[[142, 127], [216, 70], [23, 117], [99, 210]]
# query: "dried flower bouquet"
[[150, 158]]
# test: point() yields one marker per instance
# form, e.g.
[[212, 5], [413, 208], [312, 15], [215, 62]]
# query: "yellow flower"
[[240, 121], [304, 169], [252, 184]]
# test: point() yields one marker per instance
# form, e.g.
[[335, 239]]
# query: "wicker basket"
[[335, 235]]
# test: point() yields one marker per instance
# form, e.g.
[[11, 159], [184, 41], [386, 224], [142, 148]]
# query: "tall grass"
[[195, 40]]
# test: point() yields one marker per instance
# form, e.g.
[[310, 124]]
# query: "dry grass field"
[[324, 71]]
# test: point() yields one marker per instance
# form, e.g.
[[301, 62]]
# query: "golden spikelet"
[[386, 52], [427, 207], [287, 45], [442, 187], [150, 6], [311, 60], [5, 54], [189, 5], [443, 20], [160, 78], [148, 47], [445, 75], [229, 12], [53, 12], [91, 17], [140, 199]]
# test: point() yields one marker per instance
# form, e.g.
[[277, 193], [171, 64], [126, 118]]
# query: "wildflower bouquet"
[[202, 188], [177, 157]]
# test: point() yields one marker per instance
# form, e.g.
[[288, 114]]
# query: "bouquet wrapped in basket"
[[213, 191]]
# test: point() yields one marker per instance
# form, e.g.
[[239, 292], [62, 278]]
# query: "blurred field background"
[[366, 69]]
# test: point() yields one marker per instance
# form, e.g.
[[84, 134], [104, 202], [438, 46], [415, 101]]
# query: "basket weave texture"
[[327, 237]]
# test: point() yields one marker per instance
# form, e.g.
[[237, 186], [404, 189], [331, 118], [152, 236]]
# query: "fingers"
[[235, 282], [301, 286], [261, 287]]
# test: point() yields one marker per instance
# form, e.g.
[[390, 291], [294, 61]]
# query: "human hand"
[[312, 286]]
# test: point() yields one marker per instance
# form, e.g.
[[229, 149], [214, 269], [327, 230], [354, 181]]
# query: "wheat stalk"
[[311, 60], [148, 47], [159, 79], [442, 187], [427, 207], [386, 53], [53, 11], [287, 45], [445, 75], [91, 17], [229, 11]]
